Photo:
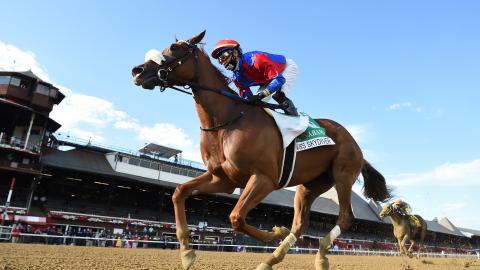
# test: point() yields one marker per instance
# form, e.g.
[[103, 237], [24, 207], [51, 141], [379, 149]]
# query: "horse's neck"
[[396, 219], [213, 109]]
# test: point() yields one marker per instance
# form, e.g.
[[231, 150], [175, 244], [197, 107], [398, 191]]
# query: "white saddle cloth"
[[290, 126]]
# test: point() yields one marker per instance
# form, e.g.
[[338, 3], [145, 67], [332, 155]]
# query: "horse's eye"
[[173, 47]]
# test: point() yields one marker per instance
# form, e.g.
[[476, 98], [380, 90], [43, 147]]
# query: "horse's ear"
[[196, 39]]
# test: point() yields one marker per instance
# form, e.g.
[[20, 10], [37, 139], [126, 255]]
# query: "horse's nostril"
[[136, 71]]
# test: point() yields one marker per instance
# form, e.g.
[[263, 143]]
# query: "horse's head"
[[175, 65], [387, 210]]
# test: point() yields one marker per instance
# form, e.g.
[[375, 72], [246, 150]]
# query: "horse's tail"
[[374, 185]]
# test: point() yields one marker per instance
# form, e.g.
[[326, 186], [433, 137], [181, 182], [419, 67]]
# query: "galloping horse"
[[242, 148], [404, 230]]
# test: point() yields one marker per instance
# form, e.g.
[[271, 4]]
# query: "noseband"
[[168, 67]]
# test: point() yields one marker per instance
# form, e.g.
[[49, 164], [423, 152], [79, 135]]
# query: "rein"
[[163, 77]]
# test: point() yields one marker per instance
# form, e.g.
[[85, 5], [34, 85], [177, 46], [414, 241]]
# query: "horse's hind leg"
[[304, 197], [345, 171]]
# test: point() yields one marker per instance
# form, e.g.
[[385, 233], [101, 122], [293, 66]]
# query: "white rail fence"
[[5, 235]]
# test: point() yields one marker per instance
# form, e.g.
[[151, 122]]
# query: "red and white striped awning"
[[26, 219]]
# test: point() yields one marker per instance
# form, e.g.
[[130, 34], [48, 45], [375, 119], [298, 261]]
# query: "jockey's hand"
[[255, 98]]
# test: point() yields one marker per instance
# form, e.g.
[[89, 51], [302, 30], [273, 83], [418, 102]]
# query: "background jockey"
[[402, 207], [273, 73]]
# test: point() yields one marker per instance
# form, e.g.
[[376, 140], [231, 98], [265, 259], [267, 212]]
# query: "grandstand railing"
[[5, 232], [83, 142], [95, 241], [133, 221]]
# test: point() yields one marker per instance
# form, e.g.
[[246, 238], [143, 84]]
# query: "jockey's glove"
[[256, 98]]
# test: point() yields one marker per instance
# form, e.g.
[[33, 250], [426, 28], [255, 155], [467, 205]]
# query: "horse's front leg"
[[205, 183], [400, 248], [412, 242], [404, 246], [257, 188]]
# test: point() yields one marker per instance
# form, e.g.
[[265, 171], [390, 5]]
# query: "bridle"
[[167, 67]]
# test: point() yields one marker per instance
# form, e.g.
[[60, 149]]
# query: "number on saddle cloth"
[[414, 221]]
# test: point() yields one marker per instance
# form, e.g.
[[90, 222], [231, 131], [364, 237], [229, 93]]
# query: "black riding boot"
[[287, 104]]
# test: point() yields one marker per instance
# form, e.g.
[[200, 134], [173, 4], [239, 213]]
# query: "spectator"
[[118, 242], [16, 233], [135, 241], [145, 238]]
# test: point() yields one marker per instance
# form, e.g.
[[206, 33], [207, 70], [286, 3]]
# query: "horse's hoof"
[[188, 258], [281, 231], [322, 264], [264, 266], [409, 254]]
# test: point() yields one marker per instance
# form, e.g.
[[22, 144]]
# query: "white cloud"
[[79, 112], [14, 59], [405, 105], [82, 109], [448, 174], [166, 134], [89, 118]]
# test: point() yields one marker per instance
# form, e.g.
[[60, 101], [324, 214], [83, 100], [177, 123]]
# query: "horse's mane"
[[218, 73]]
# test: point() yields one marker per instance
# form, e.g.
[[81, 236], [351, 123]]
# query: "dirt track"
[[26, 256]]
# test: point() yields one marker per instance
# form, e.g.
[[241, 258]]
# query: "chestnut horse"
[[242, 148], [404, 231]]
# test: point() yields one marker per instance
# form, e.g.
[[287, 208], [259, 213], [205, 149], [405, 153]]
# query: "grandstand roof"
[[84, 160], [360, 208], [445, 222], [469, 232], [285, 197], [436, 227]]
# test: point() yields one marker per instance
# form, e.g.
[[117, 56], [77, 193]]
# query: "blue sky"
[[402, 76]]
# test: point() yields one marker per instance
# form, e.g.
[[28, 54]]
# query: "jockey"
[[273, 73], [402, 207]]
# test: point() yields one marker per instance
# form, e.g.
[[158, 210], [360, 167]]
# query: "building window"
[[5, 79], [155, 166], [134, 161], [24, 84], [145, 164], [43, 89], [15, 81], [53, 93]]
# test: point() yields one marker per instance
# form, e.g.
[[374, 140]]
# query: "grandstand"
[[96, 188], [69, 187]]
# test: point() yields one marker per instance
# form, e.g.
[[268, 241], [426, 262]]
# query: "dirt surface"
[[26, 256]]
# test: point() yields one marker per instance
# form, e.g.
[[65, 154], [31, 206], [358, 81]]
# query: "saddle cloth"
[[414, 221], [298, 133], [289, 126]]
